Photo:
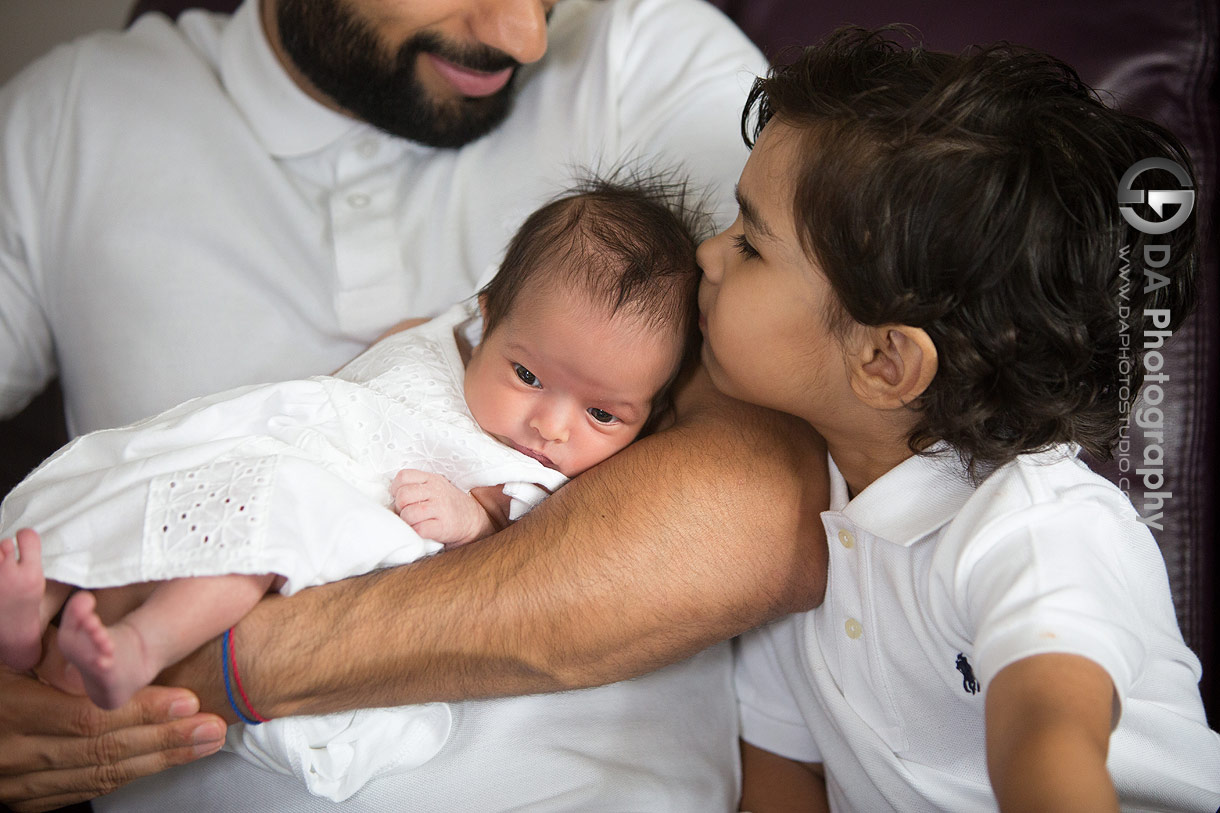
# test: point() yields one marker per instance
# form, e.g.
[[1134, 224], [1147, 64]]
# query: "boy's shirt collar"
[[910, 501], [287, 121]]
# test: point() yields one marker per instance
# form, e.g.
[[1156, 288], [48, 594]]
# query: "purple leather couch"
[[1159, 59]]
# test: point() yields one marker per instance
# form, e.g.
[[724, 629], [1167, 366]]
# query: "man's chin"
[[449, 123]]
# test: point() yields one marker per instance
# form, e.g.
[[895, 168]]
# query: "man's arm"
[[684, 539], [28, 125], [1048, 721]]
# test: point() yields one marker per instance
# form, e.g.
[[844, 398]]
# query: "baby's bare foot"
[[21, 588], [111, 660]]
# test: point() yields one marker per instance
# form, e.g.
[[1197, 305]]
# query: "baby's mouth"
[[539, 456]]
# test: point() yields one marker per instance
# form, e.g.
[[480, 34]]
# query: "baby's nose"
[[551, 427]]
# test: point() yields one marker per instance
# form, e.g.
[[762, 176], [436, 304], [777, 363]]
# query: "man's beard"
[[341, 55]]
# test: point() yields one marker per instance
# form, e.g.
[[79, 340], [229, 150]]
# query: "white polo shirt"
[[934, 587], [178, 218]]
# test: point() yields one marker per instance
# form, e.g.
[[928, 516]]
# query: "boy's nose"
[[707, 257], [516, 27]]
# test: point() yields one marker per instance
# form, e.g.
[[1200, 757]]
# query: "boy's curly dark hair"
[[975, 197]]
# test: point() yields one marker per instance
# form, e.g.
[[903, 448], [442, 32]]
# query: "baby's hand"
[[439, 510]]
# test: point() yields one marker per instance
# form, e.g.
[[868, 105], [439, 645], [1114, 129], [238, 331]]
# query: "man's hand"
[[57, 749], [438, 510]]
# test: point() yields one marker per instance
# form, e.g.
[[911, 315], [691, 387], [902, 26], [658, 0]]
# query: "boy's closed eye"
[[742, 244]]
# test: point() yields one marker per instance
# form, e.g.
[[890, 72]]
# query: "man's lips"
[[468, 81]]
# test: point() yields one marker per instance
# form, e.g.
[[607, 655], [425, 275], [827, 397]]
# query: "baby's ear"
[[891, 365]]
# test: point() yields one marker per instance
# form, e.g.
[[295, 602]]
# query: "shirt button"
[[853, 628], [847, 539], [367, 148], [358, 201]]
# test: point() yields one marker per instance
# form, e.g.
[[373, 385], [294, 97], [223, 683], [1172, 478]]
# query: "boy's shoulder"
[[933, 492], [1045, 497], [1040, 481]]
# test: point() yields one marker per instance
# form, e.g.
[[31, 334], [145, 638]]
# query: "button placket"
[[874, 696], [843, 631], [852, 626], [368, 259]]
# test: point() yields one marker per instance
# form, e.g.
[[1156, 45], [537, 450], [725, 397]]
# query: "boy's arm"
[[774, 784], [1049, 719]]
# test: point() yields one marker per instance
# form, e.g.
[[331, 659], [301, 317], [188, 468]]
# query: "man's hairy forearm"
[[684, 539]]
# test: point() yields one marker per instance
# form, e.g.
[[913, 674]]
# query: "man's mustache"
[[473, 57]]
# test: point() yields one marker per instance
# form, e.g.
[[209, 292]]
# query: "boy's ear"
[[892, 365]]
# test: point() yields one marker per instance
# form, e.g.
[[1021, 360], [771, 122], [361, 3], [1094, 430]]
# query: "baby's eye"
[[602, 416], [527, 378], [743, 246]]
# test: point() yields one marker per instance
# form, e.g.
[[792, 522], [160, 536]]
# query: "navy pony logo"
[[969, 683]]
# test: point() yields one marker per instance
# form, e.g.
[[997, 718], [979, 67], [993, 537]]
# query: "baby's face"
[[567, 384]]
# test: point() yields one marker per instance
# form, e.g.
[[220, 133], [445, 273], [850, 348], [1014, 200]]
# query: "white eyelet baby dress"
[[289, 478]]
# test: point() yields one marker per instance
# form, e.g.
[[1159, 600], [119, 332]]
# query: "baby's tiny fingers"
[[416, 512], [411, 477], [411, 493], [430, 528]]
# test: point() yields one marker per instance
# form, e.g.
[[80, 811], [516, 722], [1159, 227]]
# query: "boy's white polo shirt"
[[934, 586]]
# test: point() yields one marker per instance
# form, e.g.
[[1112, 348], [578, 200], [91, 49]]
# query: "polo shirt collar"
[[911, 500], [286, 120]]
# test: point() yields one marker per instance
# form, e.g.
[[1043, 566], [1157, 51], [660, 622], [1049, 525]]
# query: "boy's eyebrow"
[[750, 214]]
